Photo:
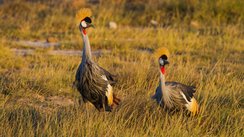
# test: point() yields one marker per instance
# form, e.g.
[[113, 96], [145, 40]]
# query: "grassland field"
[[205, 38]]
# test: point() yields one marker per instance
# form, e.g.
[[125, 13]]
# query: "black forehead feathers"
[[164, 57], [88, 20]]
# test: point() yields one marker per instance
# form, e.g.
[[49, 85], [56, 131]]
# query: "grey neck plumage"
[[162, 94], [159, 91], [86, 48], [162, 81], [165, 92]]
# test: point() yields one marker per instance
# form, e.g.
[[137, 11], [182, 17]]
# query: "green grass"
[[35, 89]]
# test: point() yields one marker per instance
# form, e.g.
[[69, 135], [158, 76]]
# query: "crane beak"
[[91, 25], [166, 62]]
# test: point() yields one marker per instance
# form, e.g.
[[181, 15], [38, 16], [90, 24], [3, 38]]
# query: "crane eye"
[[83, 24], [161, 61]]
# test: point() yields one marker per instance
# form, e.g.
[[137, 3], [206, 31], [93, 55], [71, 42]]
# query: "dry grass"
[[210, 57]]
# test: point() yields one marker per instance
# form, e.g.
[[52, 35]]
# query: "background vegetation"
[[207, 45]]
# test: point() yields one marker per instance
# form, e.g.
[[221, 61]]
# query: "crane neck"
[[162, 81], [86, 46], [165, 90]]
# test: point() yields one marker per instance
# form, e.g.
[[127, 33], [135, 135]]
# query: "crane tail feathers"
[[193, 106], [112, 99]]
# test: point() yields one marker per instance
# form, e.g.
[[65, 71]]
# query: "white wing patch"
[[192, 105], [188, 104], [104, 77], [109, 92]]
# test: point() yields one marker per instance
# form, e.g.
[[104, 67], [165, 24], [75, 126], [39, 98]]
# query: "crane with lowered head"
[[173, 95]]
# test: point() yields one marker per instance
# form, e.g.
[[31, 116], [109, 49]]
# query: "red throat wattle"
[[162, 70], [84, 31]]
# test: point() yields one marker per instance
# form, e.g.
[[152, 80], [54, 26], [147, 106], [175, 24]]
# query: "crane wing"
[[109, 76], [188, 91]]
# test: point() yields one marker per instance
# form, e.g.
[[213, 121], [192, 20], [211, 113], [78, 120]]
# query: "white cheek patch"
[[161, 61], [83, 24]]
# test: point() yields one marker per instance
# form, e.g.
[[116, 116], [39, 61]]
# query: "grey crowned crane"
[[173, 95], [92, 81]]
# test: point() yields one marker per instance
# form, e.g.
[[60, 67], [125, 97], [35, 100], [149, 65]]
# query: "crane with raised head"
[[92, 81], [173, 95]]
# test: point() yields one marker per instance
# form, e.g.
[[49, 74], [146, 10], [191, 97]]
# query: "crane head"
[[162, 55], [86, 23], [162, 62], [83, 17]]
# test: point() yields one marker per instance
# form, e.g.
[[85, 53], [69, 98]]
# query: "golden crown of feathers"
[[82, 14], [161, 51]]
